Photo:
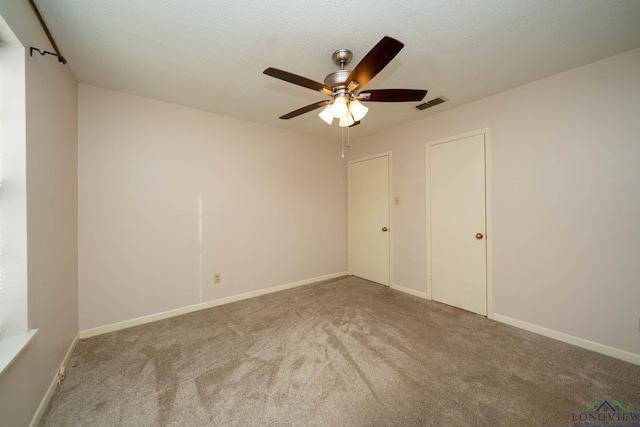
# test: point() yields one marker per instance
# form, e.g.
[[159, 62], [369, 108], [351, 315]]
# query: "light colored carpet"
[[344, 352]]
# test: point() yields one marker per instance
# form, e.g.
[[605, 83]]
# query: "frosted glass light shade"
[[346, 121], [339, 108], [358, 111], [326, 115]]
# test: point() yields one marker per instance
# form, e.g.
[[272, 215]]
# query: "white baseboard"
[[550, 333], [208, 304], [54, 384], [570, 339], [410, 291]]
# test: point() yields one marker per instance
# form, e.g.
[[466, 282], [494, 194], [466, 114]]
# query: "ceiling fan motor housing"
[[337, 78]]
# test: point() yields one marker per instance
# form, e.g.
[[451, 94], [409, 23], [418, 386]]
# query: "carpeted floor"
[[344, 352]]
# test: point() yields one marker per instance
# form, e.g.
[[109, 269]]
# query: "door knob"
[[479, 236], [384, 228]]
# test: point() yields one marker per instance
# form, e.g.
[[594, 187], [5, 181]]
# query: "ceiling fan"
[[345, 87]]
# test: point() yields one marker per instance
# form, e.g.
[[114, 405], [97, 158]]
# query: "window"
[[14, 333]]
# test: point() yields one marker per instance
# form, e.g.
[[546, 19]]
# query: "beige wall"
[[51, 115], [273, 207], [565, 198]]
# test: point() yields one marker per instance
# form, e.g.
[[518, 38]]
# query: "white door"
[[458, 223], [369, 219]]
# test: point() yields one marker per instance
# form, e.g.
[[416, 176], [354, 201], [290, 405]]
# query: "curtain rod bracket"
[[43, 53], [49, 36]]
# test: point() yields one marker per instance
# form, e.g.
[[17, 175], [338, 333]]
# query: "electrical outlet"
[[216, 278], [62, 374]]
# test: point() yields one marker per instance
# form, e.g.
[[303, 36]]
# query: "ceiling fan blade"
[[374, 61], [303, 110], [355, 124], [297, 80], [392, 95]]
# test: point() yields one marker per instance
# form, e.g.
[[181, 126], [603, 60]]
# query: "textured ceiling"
[[209, 54]]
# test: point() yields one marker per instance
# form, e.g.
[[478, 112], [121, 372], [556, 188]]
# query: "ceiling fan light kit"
[[326, 115], [345, 87], [347, 121], [339, 108], [358, 110]]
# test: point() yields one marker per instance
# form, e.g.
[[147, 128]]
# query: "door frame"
[[389, 210], [488, 209]]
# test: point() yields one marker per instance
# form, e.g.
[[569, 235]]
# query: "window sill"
[[10, 348]]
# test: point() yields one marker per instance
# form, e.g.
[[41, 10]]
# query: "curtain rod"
[[48, 33]]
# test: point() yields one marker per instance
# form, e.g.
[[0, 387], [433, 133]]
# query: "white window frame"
[[14, 327]]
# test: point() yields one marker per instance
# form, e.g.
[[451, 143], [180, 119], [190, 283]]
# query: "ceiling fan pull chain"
[[342, 134]]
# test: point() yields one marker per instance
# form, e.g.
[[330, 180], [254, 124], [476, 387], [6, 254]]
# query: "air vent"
[[432, 103]]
